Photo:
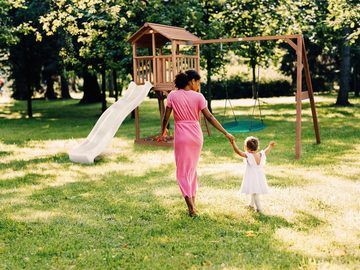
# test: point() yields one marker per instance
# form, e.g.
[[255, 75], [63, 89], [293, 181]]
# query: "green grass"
[[125, 211]]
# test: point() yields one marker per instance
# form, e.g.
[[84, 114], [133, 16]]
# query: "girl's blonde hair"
[[252, 143]]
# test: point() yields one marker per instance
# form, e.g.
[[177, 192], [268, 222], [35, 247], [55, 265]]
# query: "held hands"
[[162, 137], [230, 137], [272, 144]]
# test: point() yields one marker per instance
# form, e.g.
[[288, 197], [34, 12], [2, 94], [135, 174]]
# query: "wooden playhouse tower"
[[157, 58]]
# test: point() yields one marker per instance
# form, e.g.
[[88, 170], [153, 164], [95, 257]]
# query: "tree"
[[206, 20], [249, 19], [344, 17], [331, 30], [87, 26]]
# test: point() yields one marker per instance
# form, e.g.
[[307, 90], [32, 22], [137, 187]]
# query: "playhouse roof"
[[163, 34]]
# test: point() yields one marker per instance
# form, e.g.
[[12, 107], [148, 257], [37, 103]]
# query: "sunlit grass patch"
[[126, 209]]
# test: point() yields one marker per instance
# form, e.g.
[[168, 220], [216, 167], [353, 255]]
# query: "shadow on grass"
[[20, 181], [306, 221], [17, 164], [5, 153], [115, 222]]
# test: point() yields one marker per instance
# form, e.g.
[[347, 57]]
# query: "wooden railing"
[[144, 69], [185, 62], [163, 66], [164, 69]]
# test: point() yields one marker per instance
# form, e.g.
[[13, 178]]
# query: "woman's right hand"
[[230, 137]]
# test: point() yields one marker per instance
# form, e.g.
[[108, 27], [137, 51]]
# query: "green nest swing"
[[250, 123]]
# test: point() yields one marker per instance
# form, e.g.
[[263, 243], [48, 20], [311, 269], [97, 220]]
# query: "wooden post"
[[134, 63], [299, 52], [137, 126], [198, 58], [311, 93], [154, 58], [173, 54]]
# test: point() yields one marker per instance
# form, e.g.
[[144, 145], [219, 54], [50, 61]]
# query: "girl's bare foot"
[[250, 207]]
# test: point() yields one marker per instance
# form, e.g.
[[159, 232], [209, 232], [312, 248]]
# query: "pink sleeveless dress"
[[188, 137]]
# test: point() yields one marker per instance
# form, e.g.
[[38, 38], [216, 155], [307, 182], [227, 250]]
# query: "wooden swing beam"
[[301, 63]]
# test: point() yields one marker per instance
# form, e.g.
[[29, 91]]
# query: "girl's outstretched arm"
[[269, 147], [216, 124], [237, 150]]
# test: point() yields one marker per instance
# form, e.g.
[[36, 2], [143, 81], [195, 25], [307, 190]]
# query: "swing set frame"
[[298, 44], [160, 68]]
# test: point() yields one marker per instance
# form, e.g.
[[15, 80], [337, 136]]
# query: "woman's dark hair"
[[183, 78], [192, 74]]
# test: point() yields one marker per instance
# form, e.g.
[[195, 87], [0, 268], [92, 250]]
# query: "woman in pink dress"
[[187, 103]]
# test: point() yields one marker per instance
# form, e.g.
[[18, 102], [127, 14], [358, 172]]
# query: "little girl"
[[254, 181]]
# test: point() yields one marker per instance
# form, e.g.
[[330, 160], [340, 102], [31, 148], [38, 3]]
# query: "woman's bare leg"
[[190, 205]]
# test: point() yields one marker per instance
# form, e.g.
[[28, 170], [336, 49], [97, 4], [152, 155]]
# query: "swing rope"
[[246, 125], [227, 99], [256, 98]]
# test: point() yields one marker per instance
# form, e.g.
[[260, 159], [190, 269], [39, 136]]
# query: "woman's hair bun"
[[181, 80]]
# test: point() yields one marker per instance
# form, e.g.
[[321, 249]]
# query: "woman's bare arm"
[[216, 124], [165, 120]]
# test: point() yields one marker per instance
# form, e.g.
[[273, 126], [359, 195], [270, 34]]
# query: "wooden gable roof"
[[163, 34]]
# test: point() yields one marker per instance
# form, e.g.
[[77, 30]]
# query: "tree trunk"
[[116, 89], [50, 93], [73, 84], [110, 85], [20, 71], [103, 88], [91, 89], [65, 93], [29, 101], [356, 80], [345, 71], [20, 86], [253, 70]]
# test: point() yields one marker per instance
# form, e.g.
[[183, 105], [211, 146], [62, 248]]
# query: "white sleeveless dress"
[[254, 180]]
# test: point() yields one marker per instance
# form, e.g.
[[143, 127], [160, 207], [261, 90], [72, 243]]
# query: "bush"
[[237, 87]]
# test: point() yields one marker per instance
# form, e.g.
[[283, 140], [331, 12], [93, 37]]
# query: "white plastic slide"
[[108, 123]]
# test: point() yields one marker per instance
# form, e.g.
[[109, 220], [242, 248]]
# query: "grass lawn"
[[126, 212]]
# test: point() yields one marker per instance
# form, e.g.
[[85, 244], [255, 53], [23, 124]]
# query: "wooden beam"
[[298, 97], [311, 93], [291, 43], [225, 40]]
